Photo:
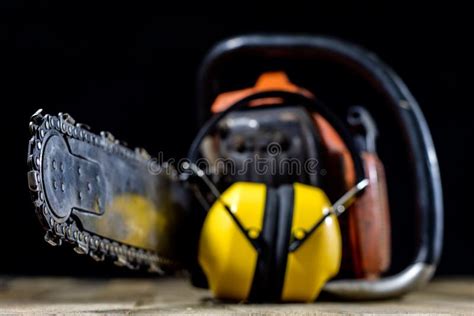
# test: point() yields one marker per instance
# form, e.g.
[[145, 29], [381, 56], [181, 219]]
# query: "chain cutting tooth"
[[32, 126], [33, 181], [81, 249], [67, 118], [83, 126], [121, 261], [52, 239], [143, 153], [154, 268], [108, 136], [82, 246], [37, 116], [97, 255]]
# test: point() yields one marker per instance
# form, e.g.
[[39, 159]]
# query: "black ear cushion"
[[286, 194], [263, 276]]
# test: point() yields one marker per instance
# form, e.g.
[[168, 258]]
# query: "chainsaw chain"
[[59, 231]]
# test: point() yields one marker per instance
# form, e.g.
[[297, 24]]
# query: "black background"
[[134, 75]]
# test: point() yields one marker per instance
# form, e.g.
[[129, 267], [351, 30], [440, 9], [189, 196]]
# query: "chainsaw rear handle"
[[410, 119]]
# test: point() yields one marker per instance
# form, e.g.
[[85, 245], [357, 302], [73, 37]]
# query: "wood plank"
[[176, 296]]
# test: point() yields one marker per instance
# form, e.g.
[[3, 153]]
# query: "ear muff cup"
[[226, 255], [318, 259]]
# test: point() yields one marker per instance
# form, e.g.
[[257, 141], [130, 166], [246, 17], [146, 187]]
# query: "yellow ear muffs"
[[236, 270]]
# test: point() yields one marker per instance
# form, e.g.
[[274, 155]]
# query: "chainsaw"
[[115, 203]]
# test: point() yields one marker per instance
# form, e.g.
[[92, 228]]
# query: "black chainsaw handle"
[[406, 112]]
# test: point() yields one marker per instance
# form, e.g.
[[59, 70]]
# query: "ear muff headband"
[[291, 99], [264, 277], [286, 195]]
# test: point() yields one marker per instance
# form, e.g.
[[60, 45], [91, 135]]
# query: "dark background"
[[134, 75]]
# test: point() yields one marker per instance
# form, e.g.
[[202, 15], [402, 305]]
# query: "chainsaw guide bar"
[[98, 195]]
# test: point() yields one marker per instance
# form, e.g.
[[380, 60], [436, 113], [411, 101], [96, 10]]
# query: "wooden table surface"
[[176, 296]]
